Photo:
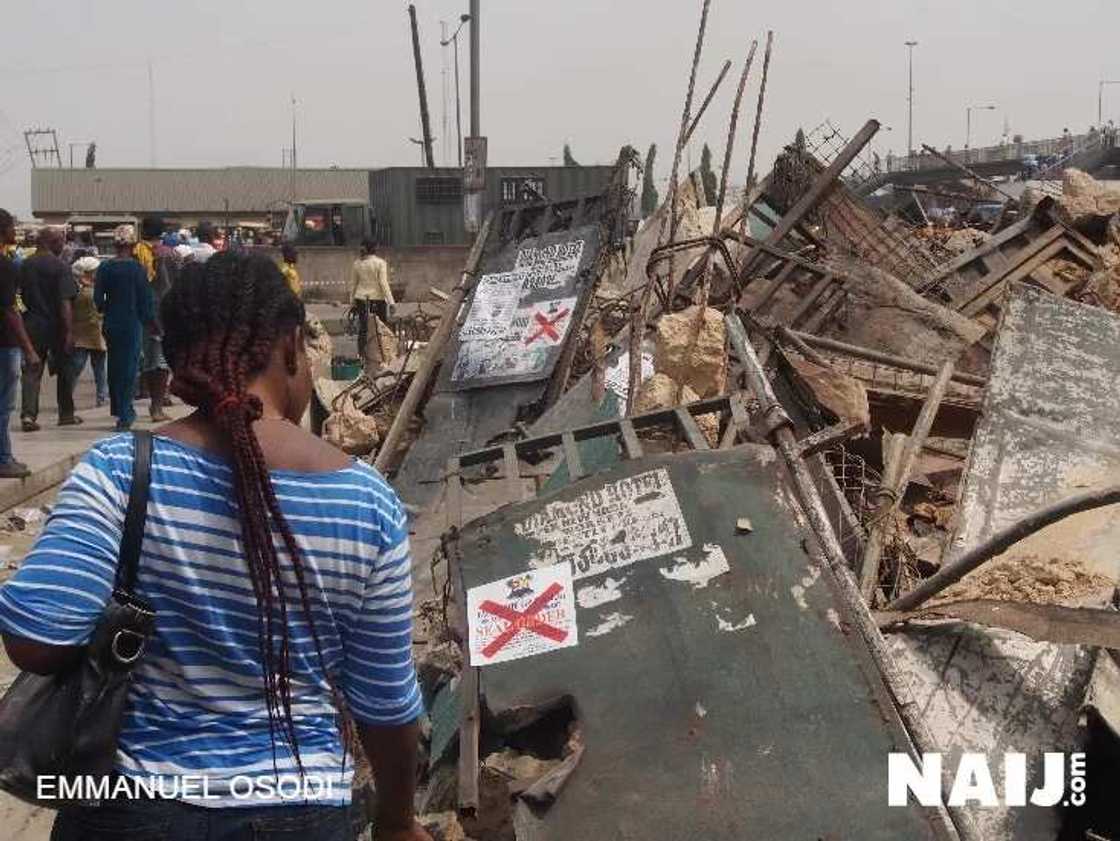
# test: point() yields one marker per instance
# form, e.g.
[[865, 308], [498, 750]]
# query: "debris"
[[521, 769], [1031, 579], [662, 392], [1085, 202], [443, 826], [320, 347], [351, 430], [691, 349], [844, 397], [965, 239], [743, 525], [438, 664]]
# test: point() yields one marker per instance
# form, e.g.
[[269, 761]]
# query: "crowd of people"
[[64, 306]]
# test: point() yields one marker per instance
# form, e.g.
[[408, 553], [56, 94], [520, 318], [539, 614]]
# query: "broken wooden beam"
[[821, 187], [433, 353], [896, 482], [885, 358]]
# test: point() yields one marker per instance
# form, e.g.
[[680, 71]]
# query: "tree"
[[649, 192], [91, 156], [568, 159], [707, 175]]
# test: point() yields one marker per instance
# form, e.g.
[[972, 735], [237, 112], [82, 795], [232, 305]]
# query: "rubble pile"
[[1032, 579]]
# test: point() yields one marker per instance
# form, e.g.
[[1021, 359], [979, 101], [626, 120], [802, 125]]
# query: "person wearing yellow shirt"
[[369, 291], [288, 268]]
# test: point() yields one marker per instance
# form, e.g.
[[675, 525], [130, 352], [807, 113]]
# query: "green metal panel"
[[734, 708]]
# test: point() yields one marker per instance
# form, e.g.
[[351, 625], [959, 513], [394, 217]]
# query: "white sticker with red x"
[[526, 614]]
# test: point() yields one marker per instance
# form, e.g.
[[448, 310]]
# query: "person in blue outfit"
[[280, 575], [122, 293]]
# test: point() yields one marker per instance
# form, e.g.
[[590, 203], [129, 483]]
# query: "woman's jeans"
[[173, 820]]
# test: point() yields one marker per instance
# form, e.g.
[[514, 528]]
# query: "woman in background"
[[89, 343], [122, 293]]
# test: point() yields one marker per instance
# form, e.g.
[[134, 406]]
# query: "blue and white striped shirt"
[[197, 705]]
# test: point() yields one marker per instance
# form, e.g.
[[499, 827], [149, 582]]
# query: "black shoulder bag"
[[67, 724]]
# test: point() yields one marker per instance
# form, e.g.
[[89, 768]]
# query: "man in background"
[[289, 257], [159, 264], [48, 289], [14, 343], [205, 249], [369, 292]]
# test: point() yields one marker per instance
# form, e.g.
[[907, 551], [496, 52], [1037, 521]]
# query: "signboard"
[[623, 522], [519, 319], [524, 615]]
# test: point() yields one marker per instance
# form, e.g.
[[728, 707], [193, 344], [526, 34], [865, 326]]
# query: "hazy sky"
[[597, 73]]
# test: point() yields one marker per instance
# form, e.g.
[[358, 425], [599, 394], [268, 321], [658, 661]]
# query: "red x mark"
[[548, 326], [526, 621]]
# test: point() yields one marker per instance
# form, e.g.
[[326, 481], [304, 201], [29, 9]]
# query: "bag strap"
[[128, 561]]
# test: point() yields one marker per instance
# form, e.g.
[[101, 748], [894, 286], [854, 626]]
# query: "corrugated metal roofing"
[[247, 189]]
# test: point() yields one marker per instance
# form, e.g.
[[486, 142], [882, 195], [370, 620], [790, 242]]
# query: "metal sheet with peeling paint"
[[741, 709], [1048, 431]]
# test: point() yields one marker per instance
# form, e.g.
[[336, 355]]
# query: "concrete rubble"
[[876, 353]]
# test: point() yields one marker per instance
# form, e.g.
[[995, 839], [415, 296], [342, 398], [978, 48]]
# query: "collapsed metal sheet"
[[1049, 430], [718, 690], [523, 307]]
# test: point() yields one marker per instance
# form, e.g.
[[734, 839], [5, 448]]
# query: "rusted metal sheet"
[[719, 689], [1048, 431]]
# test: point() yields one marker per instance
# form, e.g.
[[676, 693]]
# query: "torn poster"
[[524, 615], [621, 523]]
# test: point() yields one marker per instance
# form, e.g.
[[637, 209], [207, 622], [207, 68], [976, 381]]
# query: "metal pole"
[[910, 128], [779, 431], [640, 313], [967, 126], [476, 45], [458, 105], [707, 100], [425, 122]]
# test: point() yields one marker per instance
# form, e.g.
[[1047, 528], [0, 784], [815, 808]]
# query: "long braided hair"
[[221, 320]]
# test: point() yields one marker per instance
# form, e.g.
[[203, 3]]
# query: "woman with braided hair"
[[280, 575]]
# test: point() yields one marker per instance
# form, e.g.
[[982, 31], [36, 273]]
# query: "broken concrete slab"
[[690, 347], [843, 396], [1048, 431]]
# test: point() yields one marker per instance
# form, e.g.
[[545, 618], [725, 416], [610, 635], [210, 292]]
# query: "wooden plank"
[[514, 486], [990, 295], [826, 310], [630, 443], [811, 299], [829, 437], [688, 427], [572, 457], [774, 286], [1004, 236], [983, 284]]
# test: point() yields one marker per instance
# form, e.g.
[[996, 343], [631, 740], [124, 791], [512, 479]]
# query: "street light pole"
[[910, 130], [968, 121], [476, 86], [454, 39], [1100, 98]]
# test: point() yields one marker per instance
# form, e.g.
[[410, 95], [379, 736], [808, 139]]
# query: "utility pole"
[[292, 156], [425, 122], [910, 129], [476, 45]]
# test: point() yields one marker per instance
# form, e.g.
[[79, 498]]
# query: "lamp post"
[[968, 121], [910, 128], [454, 39], [1100, 98]]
